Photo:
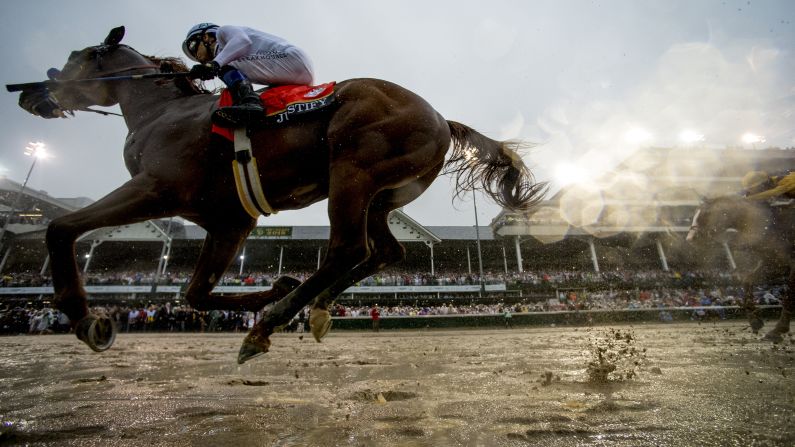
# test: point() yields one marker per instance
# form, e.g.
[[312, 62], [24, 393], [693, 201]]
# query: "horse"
[[375, 150], [766, 232]]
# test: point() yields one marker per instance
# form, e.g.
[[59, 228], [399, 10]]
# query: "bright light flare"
[[637, 135], [37, 149], [751, 138], [568, 173], [691, 136]]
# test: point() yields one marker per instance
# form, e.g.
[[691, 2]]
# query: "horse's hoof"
[[98, 332], [774, 336], [756, 324], [319, 323], [251, 349]]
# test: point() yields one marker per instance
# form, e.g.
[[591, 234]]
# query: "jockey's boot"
[[246, 109]]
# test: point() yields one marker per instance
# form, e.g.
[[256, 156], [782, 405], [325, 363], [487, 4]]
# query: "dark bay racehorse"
[[376, 150], [767, 233]]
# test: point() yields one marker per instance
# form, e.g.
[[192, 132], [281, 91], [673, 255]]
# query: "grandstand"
[[632, 219], [639, 213]]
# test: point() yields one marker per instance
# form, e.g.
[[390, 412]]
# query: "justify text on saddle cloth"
[[284, 101]]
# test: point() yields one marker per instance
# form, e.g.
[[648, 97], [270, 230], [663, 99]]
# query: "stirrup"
[[235, 116]]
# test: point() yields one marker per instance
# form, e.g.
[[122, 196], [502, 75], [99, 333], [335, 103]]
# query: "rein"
[[47, 84], [122, 70], [101, 112], [113, 73]]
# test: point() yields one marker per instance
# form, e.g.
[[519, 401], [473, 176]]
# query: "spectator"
[[375, 315]]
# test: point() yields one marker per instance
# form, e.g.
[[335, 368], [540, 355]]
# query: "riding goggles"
[[193, 45]]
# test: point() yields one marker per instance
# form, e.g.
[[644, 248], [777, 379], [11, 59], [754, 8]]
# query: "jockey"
[[240, 56], [758, 185]]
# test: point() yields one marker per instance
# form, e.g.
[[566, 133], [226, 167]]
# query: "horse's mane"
[[187, 86]]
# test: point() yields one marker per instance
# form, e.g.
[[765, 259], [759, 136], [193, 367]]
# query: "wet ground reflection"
[[709, 384]]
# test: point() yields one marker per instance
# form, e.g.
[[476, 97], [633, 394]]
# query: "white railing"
[[98, 290]]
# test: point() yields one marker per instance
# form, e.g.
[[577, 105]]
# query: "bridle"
[[100, 50]]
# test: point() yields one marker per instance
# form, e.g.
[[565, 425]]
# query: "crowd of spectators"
[[29, 319], [530, 279], [32, 319]]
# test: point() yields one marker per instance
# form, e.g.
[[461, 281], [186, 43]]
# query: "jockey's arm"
[[785, 186], [234, 43]]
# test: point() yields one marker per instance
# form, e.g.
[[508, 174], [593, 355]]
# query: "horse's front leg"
[[217, 253], [751, 311], [776, 335], [135, 201]]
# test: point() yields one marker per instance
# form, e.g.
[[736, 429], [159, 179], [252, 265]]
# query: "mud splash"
[[615, 356]]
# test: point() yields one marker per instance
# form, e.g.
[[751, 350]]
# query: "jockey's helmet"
[[755, 181], [193, 39]]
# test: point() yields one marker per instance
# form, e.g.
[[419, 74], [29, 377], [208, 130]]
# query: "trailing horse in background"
[[377, 149], [766, 231]]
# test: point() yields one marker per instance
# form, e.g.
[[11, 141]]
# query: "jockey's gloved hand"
[[205, 72]]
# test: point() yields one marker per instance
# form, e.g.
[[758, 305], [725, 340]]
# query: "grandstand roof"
[[32, 209], [142, 231], [322, 233], [40, 199], [462, 233], [403, 227], [655, 190]]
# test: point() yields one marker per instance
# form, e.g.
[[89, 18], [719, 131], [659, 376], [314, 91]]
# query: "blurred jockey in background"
[[758, 185]]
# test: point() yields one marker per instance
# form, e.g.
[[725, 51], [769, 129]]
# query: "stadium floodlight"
[[567, 173], [637, 136], [480, 255], [690, 137], [37, 150], [242, 261], [752, 138]]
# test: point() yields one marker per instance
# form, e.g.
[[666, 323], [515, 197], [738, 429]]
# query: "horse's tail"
[[479, 162]]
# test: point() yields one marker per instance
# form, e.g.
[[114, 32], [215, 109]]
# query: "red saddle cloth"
[[284, 101]]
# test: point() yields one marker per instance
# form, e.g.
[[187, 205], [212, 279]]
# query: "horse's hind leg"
[[218, 251], [787, 307], [135, 201], [751, 311], [350, 193], [384, 250]]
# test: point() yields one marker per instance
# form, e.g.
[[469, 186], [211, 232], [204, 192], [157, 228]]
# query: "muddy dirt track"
[[673, 385]]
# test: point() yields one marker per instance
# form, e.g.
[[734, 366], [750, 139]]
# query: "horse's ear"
[[114, 36]]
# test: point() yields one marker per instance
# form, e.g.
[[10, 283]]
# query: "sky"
[[586, 82]]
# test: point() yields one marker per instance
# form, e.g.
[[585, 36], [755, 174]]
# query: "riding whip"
[[52, 83]]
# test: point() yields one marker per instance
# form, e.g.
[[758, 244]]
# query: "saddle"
[[284, 102], [281, 104]]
